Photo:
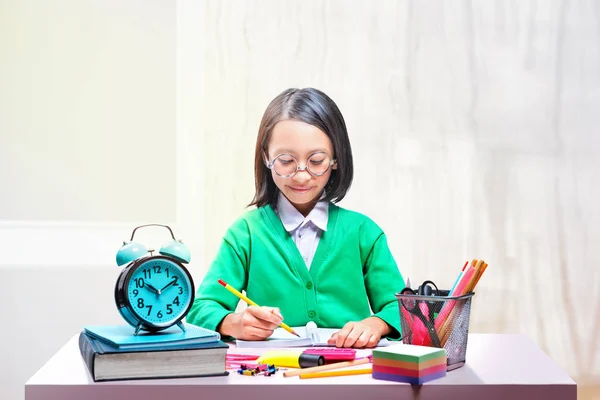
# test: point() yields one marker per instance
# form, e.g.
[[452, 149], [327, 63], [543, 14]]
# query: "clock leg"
[[180, 324], [137, 329]]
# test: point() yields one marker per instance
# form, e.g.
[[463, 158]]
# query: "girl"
[[298, 252]]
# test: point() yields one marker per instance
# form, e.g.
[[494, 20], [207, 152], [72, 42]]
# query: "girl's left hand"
[[365, 333]]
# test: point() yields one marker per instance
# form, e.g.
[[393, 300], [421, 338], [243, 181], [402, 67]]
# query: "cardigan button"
[[309, 285], [311, 314]]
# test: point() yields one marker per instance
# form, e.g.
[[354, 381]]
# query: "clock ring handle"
[[143, 226]]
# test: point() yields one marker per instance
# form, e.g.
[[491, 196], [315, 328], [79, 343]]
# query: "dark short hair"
[[313, 107]]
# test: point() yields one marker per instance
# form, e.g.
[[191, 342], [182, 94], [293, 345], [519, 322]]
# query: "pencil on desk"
[[345, 372], [326, 367], [250, 302]]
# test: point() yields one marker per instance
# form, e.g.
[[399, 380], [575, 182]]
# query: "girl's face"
[[300, 140]]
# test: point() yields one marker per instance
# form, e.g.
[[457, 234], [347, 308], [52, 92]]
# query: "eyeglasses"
[[286, 165]]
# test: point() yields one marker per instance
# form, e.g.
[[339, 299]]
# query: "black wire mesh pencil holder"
[[450, 326]]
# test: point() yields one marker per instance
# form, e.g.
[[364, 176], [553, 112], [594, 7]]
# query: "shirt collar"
[[292, 218]]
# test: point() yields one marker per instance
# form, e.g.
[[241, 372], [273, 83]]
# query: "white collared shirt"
[[305, 232]]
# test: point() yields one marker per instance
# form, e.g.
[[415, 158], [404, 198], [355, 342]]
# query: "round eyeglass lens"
[[317, 164]]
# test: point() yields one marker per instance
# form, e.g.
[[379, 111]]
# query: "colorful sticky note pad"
[[409, 363]]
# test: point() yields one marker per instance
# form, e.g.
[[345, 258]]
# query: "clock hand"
[[155, 290], [168, 285]]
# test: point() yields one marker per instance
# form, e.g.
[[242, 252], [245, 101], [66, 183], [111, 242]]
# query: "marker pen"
[[291, 359]]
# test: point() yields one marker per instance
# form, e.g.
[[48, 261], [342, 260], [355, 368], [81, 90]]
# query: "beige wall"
[[88, 110], [473, 130]]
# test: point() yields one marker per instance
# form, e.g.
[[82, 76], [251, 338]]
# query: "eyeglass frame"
[[271, 164]]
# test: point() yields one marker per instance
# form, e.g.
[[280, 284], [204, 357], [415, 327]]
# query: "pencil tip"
[[294, 332]]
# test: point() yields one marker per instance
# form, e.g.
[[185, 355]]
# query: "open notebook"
[[310, 336]]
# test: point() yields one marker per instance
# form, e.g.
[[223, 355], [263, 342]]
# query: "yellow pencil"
[[345, 372], [247, 300]]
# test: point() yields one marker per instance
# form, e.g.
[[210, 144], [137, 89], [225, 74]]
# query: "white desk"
[[498, 367]]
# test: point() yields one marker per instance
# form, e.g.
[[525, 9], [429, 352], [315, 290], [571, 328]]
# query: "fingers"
[[254, 333], [355, 334], [373, 340], [347, 336], [333, 339], [262, 317], [257, 323], [275, 311]]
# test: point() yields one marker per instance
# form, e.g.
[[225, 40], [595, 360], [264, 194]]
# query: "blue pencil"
[[460, 274]]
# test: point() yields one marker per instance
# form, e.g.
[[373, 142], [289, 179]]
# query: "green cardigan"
[[352, 276]]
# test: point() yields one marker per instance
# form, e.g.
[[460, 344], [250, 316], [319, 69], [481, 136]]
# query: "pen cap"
[[310, 360]]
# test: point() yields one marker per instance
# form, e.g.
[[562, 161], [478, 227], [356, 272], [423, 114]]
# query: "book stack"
[[409, 363], [113, 352]]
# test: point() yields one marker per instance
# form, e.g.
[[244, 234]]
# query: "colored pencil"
[[345, 372], [460, 274], [458, 291], [326, 367], [479, 276], [250, 302], [446, 329], [471, 284]]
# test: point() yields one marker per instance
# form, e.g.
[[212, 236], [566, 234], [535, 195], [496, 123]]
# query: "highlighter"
[[291, 359]]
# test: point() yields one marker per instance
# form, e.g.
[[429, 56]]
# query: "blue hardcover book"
[[107, 363], [122, 336]]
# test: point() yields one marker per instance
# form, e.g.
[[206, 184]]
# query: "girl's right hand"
[[254, 323]]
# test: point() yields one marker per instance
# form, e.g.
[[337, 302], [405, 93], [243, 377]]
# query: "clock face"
[[159, 291]]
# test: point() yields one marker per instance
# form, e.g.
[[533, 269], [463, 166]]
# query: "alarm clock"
[[154, 292]]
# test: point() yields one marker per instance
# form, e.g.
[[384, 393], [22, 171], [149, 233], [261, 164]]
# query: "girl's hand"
[[254, 323], [365, 333]]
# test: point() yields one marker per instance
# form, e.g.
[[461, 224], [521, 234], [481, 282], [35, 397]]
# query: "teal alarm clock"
[[154, 292]]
